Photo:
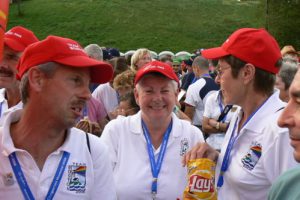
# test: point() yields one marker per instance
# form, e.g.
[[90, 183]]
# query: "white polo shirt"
[[4, 106], [193, 99], [131, 165], [93, 170], [107, 95], [212, 110], [260, 154]]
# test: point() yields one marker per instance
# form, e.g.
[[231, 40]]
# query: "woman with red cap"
[[255, 150], [146, 148]]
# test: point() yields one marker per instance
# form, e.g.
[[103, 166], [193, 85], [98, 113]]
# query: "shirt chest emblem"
[[8, 179], [77, 177], [184, 146], [251, 158]]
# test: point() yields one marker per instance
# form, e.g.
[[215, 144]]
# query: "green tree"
[[283, 21]]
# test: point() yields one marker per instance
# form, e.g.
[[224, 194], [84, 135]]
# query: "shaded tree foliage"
[[283, 21]]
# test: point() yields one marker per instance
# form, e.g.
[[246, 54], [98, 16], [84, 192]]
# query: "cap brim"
[[16, 46], [101, 72], [214, 53]]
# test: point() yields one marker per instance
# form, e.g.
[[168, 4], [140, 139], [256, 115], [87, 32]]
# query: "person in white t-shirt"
[[42, 156], [15, 41], [105, 93], [146, 148], [213, 109], [198, 91], [255, 150], [216, 117]]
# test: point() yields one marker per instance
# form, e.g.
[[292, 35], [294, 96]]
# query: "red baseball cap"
[[18, 38], [255, 46], [156, 66], [63, 51]]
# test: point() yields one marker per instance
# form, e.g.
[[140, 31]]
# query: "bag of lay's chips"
[[201, 178]]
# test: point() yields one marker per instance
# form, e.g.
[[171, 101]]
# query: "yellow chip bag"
[[201, 178]]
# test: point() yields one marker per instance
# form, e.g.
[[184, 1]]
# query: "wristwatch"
[[218, 125]]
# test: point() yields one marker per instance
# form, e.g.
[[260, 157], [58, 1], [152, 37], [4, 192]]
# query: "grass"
[[159, 25]]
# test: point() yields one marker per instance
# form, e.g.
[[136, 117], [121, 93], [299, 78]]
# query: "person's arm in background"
[[211, 126], [189, 111], [178, 112]]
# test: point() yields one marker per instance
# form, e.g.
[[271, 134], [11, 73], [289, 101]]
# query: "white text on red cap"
[[13, 33], [151, 67], [75, 47]]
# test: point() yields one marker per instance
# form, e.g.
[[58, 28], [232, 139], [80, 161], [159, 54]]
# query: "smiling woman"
[[155, 164]]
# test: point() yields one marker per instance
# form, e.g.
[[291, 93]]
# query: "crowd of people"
[[90, 123]]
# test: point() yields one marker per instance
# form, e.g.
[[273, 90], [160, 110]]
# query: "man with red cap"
[[146, 148], [15, 42], [255, 149], [42, 156]]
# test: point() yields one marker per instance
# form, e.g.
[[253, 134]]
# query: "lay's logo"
[[201, 184]]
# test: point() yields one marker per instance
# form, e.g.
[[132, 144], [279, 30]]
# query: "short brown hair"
[[263, 82]]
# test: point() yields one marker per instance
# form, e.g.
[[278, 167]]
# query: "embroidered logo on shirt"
[[184, 146], [233, 109], [249, 161], [8, 179], [77, 177]]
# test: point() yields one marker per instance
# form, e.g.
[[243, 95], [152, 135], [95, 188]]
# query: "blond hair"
[[138, 54]]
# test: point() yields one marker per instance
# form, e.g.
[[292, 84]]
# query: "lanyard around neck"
[[156, 166], [85, 111], [232, 140], [206, 75], [224, 111], [22, 180], [1, 104], [221, 105]]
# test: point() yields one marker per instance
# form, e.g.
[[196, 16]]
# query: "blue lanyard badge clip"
[[156, 166]]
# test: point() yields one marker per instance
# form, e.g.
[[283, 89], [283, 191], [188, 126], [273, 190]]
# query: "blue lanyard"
[[1, 108], [118, 97], [195, 79], [85, 111], [156, 166], [206, 75], [221, 105], [225, 162], [22, 180], [232, 140]]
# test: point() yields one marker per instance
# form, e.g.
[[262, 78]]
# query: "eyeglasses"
[[220, 71]]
